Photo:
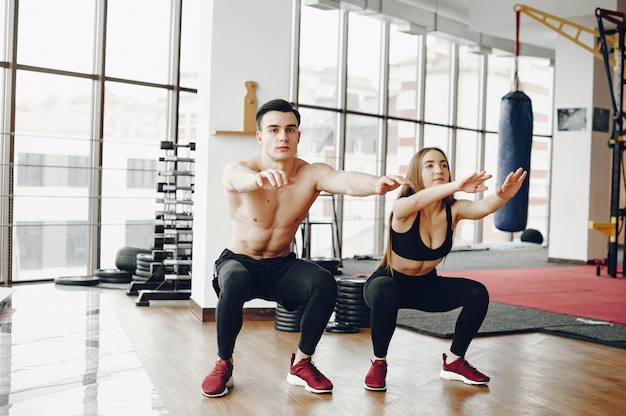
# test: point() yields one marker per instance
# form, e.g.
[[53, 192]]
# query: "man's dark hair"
[[275, 105]]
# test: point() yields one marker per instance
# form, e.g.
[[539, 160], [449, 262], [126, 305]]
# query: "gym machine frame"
[[616, 143]]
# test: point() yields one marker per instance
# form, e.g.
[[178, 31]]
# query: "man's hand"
[[273, 179], [391, 182]]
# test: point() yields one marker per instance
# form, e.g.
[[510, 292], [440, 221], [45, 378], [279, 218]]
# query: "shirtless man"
[[268, 197]]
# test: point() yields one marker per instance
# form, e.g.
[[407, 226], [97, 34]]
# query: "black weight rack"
[[170, 266]]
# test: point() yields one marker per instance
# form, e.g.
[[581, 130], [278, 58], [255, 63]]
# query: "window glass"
[[140, 173], [39, 170], [50, 208], [187, 116], [539, 186], [57, 34], [318, 138], [469, 94], [30, 169], [465, 163], [536, 78], [490, 233], [76, 247], [3, 127], [56, 151], [30, 235], [52, 147], [318, 70], [364, 61], [402, 144], [318, 143], [359, 213], [134, 124], [437, 136], [499, 84], [3, 9], [139, 233], [138, 34], [189, 41], [53, 104], [403, 74], [438, 74]]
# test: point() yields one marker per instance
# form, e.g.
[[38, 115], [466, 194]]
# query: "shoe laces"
[[378, 368], [465, 364], [220, 369], [309, 368]]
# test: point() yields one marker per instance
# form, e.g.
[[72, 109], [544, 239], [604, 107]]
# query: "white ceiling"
[[497, 17], [490, 24]]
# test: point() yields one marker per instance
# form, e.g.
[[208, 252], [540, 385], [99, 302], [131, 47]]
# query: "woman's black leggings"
[[385, 294], [287, 280]]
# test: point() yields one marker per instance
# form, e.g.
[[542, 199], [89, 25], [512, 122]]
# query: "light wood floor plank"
[[532, 374]]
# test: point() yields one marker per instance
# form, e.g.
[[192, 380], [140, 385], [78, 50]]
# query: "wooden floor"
[[531, 374]]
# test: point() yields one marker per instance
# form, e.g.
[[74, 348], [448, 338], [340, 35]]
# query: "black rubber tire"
[[361, 323], [288, 321], [145, 257], [114, 276], [286, 328], [139, 278], [289, 315], [126, 257], [77, 280], [355, 294], [350, 291], [351, 282], [143, 273], [352, 314], [339, 327], [143, 266], [361, 313], [354, 302], [300, 309]]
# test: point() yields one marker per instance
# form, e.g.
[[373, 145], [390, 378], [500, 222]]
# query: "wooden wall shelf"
[[249, 114], [234, 133]]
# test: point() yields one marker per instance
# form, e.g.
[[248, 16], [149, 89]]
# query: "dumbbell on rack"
[[169, 145]]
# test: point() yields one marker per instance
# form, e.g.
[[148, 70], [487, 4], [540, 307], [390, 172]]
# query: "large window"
[[386, 93], [319, 59], [80, 142]]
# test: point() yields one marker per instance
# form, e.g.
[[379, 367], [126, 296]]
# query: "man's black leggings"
[[385, 294], [287, 280]]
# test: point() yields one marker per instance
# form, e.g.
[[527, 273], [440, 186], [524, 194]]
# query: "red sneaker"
[[305, 374], [218, 381], [375, 378], [463, 371]]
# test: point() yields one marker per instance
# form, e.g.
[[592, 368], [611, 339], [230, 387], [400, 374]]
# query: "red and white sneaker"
[[375, 378], [305, 374], [463, 371], [217, 382]]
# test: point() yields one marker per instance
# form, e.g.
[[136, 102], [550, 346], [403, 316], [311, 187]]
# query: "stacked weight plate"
[[288, 321], [143, 269], [351, 307]]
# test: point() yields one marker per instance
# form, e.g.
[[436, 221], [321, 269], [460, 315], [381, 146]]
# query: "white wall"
[[580, 162], [244, 40]]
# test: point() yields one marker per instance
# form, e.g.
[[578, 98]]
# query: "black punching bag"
[[515, 142]]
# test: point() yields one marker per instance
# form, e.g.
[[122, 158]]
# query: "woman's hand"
[[474, 183], [512, 184]]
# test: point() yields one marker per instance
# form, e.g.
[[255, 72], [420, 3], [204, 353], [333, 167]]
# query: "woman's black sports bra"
[[410, 245]]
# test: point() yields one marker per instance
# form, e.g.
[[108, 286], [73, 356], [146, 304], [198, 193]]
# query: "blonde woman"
[[421, 226]]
